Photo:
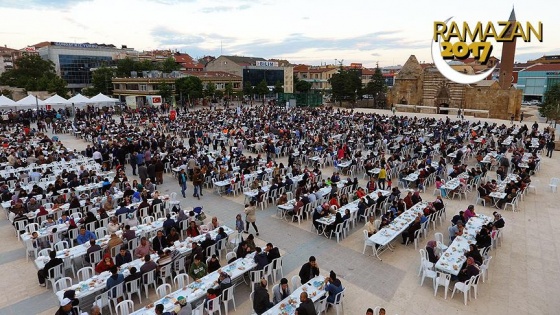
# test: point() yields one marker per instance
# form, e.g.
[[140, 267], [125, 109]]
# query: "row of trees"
[[34, 73], [347, 86], [551, 104]]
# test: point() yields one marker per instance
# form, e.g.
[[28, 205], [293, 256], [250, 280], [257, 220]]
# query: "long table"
[[454, 257], [388, 233], [86, 290], [197, 290], [315, 289]]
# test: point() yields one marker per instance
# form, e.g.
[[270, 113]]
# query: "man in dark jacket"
[[260, 259], [271, 252], [45, 272], [261, 299], [306, 307], [408, 235], [309, 270]]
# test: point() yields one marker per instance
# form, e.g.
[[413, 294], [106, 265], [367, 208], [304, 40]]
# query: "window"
[[77, 69], [143, 87]]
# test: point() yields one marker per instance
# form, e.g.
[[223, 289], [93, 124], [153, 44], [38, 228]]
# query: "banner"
[[131, 102], [153, 100]]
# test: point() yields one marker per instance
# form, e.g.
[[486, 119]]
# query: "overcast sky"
[[303, 31]]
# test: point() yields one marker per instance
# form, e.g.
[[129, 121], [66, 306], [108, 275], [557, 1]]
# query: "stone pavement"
[[524, 274]]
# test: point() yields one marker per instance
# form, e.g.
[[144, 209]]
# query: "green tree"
[[303, 86], [346, 85], [189, 87], [262, 89], [165, 91], [229, 89], [278, 87], [125, 67], [169, 65], [101, 81], [248, 89], [377, 86], [34, 74], [219, 94], [144, 65], [210, 89], [551, 105]]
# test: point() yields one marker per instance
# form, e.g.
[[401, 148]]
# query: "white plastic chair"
[[338, 299], [163, 290], [484, 268], [367, 243], [442, 279], [149, 278], [463, 287], [427, 273], [62, 245], [85, 273], [215, 306], [277, 269], [474, 285], [338, 232], [230, 255], [251, 297], [181, 280], [69, 264], [125, 307], [62, 283], [228, 296], [148, 219], [321, 306], [296, 283], [55, 273], [554, 182], [133, 287]]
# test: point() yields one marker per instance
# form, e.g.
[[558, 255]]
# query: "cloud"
[[305, 18], [223, 8], [39, 3], [375, 54], [296, 42], [171, 2], [524, 57]]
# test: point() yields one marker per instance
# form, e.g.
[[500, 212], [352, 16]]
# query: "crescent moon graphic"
[[450, 73]]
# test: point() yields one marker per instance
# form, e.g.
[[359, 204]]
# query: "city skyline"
[[313, 32]]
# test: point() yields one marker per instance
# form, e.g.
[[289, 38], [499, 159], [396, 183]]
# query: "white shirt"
[[97, 155]]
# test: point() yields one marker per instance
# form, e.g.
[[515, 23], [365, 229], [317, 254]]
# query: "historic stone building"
[[423, 85]]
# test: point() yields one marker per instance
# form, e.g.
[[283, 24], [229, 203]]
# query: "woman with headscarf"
[[475, 254], [416, 198], [192, 230], [105, 264], [337, 220], [431, 250]]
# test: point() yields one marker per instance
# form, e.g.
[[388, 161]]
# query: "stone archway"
[[403, 101], [442, 99]]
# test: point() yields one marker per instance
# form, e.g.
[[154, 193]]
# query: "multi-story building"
[[6, 58], [74, 61], [552, 59], [253, 70], [535, 80], [317, 76], [140, 87]]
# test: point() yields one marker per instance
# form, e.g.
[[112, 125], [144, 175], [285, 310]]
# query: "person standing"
[[550, 145], [183, 182], [133, 163], [198, 179], [381, 177], [521, 117], [512, 118], [142, 173], [250, 217]]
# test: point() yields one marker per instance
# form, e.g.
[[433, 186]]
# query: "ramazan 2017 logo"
[[473, 41]]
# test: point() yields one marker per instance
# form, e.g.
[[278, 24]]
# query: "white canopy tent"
[[6, 103], [103, 100], [30, 101], [57, 101], [79, 100]]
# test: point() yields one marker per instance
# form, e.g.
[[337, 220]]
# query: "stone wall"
[[433, 82], [501, 103]]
